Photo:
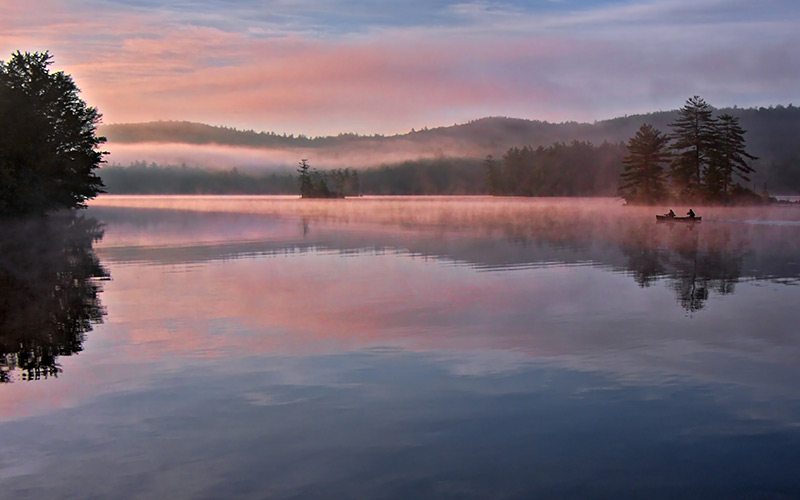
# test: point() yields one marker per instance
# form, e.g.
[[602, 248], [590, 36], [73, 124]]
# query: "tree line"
[[703, 159], [576, 169], [442, 176], [143, 178]]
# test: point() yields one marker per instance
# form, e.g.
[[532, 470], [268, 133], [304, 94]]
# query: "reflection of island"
[[48, 292], [693, 263]]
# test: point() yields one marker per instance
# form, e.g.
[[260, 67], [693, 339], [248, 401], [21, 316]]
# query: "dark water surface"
[[202, 347]]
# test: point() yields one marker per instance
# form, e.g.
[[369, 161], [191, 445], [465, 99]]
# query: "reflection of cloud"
[[321, 303]]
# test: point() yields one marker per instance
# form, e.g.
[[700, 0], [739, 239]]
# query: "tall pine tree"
[[729, 157], [306, 184], [642, 180], [693, 142]]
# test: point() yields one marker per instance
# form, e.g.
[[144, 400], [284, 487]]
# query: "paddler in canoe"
[[671, 217]]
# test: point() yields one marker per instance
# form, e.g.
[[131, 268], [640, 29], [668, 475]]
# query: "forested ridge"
[[769, 128], [771, 136]]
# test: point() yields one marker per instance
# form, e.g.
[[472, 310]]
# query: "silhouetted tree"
[[314, 184], [729, 157], [693, 134], [643, 177], [48, 140], [306, 182]]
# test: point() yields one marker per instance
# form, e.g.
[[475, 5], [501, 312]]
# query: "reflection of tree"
[[48, 292], [694, 261]]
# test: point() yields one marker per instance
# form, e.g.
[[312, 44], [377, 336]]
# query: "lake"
[[251, 347]]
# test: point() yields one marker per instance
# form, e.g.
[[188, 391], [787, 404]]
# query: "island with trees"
[[336, 183], [703, 159]]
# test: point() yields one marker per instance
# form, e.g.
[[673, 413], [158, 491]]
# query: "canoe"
[[666, 218]]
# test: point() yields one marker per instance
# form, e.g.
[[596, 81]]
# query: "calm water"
[[252, 347]]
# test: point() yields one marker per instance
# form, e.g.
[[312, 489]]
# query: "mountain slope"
[[773, 134]]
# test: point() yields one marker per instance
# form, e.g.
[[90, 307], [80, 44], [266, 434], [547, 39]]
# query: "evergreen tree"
[[693, 136], [643, 177], [319, 185], [48, 141], [493, 176], [729, 157], [306, 183]]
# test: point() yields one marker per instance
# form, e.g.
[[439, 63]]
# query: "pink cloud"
[[138, 65]]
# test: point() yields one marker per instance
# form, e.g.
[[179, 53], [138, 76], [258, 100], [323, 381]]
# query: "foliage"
[[434, 176], [576, 169], [48, 141], [336, 183], [305, 179], [729, 156], [693, 134], [494, 182], [643, 175], [771, 135], [419, 177], [143, 178], [708, 158]]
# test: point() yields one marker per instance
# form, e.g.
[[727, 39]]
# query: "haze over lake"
[[400, 347]]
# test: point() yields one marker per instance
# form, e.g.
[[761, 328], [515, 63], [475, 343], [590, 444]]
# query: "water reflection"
[[48, 292], [396, 349], [695, 261]]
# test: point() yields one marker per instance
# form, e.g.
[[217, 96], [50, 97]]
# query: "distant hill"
[[773, 134]]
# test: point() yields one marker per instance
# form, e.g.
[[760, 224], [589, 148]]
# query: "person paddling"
[[690, 213], [670, 213]]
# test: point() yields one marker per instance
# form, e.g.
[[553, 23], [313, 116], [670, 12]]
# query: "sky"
[[327, 66]]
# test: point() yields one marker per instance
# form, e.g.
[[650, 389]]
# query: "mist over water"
[[363, 154], [426, 347]]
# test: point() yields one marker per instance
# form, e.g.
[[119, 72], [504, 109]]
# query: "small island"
[[336, 183], [702, 160]]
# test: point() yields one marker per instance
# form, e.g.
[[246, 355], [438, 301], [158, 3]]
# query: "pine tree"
[[306, 184], [729, 157], [693, 139], [642, 180]]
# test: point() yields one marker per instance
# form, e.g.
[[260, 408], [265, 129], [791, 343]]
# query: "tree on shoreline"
[[643, 176], [707, 154], [336, 183], [729, 156], [48, 141], [693, 136], [574, 169], [306, 184]]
